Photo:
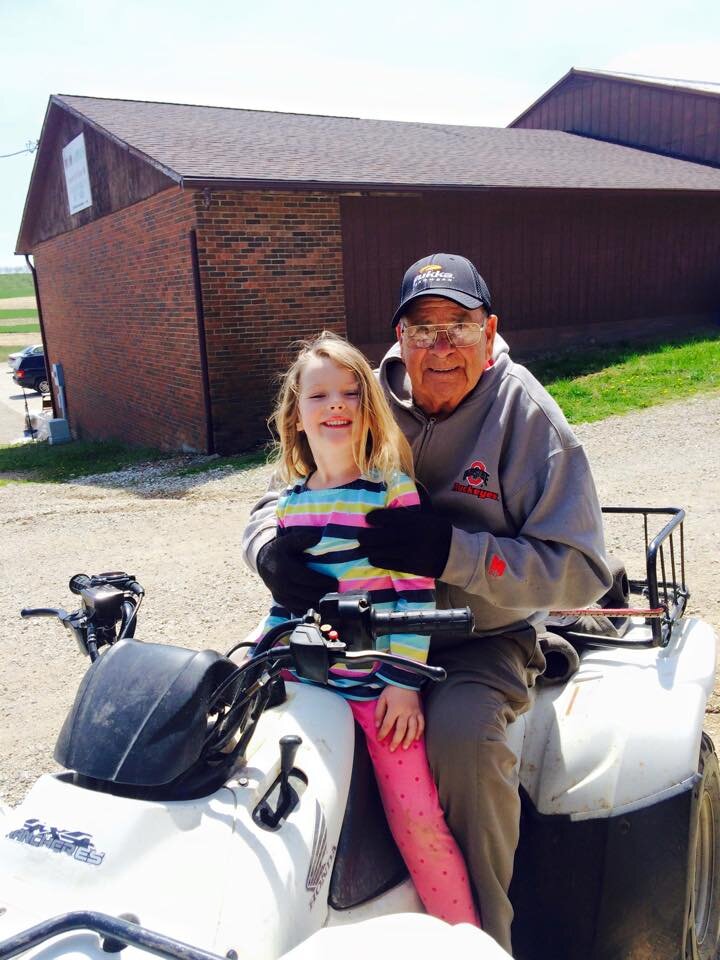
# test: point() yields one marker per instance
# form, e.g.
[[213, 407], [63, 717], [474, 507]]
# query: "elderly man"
[[513, 529]]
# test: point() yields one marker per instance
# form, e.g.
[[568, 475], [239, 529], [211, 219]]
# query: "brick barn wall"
[[119, 311], [271, 270]]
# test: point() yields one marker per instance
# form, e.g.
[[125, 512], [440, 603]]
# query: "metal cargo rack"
[[663, 589]]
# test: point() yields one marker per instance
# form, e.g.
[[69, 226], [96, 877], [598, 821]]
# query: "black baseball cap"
[[443, 275]]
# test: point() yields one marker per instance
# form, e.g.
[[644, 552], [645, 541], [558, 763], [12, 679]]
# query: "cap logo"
[[433, 277], [430, 266]]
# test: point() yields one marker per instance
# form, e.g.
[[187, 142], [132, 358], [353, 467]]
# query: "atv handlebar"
[[358, 623], [343, 632], [109, 603]]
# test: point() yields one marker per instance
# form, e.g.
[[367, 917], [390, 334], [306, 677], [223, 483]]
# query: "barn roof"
[[700, 87], [220, 145], [693, 86]]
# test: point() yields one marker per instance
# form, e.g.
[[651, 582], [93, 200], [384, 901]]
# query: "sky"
[[458, 61]]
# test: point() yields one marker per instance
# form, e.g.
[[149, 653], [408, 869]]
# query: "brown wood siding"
[[117, 179], [682, 124], [552, 261]]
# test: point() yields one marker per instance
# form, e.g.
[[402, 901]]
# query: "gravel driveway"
[[180, 537]]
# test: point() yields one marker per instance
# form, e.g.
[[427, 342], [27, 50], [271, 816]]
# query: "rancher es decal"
[[73, 843]]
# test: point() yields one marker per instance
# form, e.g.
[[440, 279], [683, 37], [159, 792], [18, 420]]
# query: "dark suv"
[[31, 373]]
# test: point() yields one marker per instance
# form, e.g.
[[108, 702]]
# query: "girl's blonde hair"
[[379, 444]]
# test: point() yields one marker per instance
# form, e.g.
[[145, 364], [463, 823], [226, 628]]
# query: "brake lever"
[[363, 658], [74, 622], [58, 612]]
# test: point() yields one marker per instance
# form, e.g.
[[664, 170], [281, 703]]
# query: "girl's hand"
[[401, 709]]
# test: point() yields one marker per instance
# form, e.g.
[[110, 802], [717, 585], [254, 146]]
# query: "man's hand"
[[285, 573], [408, 539], [401, 709]]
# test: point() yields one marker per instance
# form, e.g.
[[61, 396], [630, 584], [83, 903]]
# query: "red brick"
[[119, 310]]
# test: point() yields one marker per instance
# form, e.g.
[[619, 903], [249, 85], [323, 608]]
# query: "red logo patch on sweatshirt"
[[497, 566], [475, 481]]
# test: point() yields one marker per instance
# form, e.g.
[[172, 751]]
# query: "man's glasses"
[[423, 335]]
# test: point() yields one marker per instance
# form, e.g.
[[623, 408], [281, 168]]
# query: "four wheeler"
[[209, 810]]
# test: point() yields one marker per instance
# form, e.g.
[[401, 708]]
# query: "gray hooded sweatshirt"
[[505, 467]]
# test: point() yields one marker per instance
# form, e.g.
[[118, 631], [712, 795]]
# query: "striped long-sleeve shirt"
[[340, 511]]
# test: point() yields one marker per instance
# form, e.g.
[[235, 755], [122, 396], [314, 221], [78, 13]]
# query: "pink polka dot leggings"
[[417, 823]]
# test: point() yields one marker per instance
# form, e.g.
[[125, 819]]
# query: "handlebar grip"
[[79, 582], [459, 621], [40, 612]]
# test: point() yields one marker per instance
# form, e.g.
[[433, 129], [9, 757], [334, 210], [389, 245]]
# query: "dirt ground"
[[18, 303], [18, 339], [180, 537]]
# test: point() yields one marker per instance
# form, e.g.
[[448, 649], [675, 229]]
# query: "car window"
[[32, 361]]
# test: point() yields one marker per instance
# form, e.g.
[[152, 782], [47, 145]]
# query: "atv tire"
[[702, 936]]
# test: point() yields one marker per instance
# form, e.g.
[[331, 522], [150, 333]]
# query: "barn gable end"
[[119, 177], [672, 118]]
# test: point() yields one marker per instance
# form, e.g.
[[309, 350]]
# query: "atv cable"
[[239, 646], [132, 618]]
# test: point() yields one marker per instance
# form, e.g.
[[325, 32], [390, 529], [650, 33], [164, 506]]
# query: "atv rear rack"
[[666, 596]]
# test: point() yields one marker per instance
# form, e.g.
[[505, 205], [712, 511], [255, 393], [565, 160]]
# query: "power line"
[[30, 147]]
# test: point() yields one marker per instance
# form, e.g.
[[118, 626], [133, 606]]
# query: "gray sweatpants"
[[476, 772]]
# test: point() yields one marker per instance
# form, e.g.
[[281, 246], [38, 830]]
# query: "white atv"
[[209, 811]]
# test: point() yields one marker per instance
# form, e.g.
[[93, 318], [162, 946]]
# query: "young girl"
[[343, 455]]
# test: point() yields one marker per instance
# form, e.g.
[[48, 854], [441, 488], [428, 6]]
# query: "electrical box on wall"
[[59, 431]]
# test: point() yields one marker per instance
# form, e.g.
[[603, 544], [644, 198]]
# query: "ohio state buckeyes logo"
[[475, 481], [476, 474]]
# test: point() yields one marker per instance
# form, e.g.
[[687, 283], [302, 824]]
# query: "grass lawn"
[[16, 285], [20, 328], [54, 464], [18, 314], [598, 383]]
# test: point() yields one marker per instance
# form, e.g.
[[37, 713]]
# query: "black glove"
[[285, 573], [408, 539]]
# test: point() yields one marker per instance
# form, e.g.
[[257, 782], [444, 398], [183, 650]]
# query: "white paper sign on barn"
[[77, 178]]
